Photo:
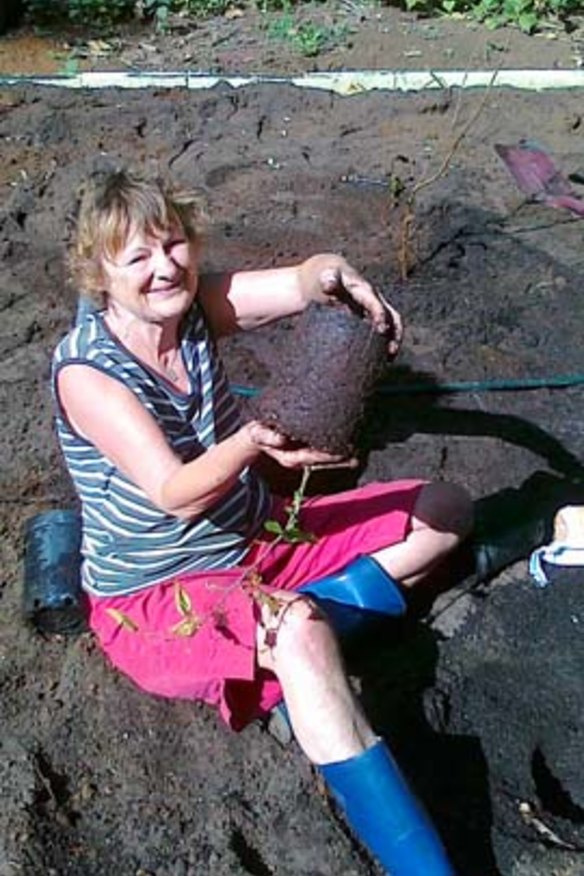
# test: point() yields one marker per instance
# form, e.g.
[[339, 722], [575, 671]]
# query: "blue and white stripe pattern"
[[128, 542]]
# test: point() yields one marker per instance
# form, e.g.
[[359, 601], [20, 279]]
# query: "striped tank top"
[[128, 542]]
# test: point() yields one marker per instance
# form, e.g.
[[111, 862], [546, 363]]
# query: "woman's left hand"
[[333, 275], [288, 455]]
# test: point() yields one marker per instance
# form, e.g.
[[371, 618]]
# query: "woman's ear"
[[100, 289]]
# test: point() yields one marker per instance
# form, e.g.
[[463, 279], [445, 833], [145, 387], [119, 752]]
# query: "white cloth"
[[557, 553]]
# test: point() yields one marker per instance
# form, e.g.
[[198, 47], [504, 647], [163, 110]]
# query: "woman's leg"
[[327, 720], [298, 645], [442, 518]]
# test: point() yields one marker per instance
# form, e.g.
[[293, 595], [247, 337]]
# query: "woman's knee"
[[445, 508], [298, 631]]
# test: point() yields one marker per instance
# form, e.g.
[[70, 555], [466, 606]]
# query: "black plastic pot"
[[52, 597]]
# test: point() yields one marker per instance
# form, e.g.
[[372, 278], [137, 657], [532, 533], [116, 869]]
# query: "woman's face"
[[153, 277]]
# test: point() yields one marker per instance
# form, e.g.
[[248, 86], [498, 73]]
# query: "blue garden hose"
[[498, 384]]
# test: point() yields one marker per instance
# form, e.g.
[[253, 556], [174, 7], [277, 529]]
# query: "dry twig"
[[407, 222]]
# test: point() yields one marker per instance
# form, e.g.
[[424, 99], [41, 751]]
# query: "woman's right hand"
[[288, 454]]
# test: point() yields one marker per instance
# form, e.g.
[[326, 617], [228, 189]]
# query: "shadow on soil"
[[422, 414], [449, 773]]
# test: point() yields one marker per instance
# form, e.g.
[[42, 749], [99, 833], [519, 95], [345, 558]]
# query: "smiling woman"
[[174, 509]]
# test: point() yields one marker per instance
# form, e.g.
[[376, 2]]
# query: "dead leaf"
[[253, 579], [253, 585], [266, 600], [99, 48], [546, 833], [271, 638], [187, 627], [233, 12], [123, 620]]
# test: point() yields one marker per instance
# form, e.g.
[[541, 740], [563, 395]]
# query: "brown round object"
[[329, 365]]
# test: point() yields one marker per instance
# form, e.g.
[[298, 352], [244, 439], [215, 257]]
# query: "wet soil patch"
[[100, 778]]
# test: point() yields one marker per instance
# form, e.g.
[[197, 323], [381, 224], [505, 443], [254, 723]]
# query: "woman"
[[173, 510]]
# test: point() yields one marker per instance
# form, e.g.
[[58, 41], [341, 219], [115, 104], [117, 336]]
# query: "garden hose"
[[498, 384]]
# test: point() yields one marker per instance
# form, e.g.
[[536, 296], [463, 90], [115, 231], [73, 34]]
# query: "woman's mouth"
[[165, 291]]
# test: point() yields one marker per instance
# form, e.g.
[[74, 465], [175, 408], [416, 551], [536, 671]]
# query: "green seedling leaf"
[[182, 600], [527, 22], [295, 535], [123, 620], [273, 526]]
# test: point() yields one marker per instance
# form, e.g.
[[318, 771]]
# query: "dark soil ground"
[[483, 705]]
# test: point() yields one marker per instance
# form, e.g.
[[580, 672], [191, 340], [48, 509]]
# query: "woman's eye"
[[137, 258]]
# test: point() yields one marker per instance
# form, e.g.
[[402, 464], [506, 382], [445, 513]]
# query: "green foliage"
[[104, 13], [291, 531], [197, 8], [528, 15], [92, 12], [308, 38], [290, 534], [281, 27], [311, 39], [158, 11], [266, 6]]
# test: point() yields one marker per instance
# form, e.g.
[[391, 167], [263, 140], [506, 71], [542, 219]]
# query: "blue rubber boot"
[[385, 815], [355, 594], [350, 598]]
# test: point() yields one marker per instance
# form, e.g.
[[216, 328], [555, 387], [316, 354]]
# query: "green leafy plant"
[[250, 582], [311, 39], [281, 27], [291, 530], [158, 10], [308, 38], [528, 15], [267, 6]]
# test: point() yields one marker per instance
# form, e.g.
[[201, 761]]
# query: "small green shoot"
[[291, 532], [308, 38]]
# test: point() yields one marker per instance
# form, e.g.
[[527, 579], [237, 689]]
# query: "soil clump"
[[329, 364]]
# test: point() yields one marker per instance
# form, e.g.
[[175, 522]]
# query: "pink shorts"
[[149, 635]]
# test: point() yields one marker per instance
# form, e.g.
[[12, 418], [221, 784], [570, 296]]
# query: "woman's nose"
[[163, 263]]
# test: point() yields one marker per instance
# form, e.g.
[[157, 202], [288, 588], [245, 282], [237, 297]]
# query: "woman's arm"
[[108, 414], [249, 299]]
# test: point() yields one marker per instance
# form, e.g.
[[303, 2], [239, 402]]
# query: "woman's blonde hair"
[[117, 203]]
